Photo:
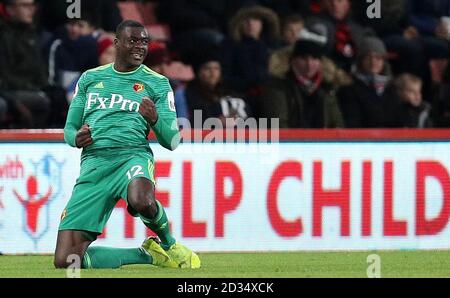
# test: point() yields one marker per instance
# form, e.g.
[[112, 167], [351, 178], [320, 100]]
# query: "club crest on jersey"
[[138, 87], [63, 214]]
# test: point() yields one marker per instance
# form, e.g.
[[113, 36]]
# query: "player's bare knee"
[[147, 206], [153, 207], [60, 262], [144, 204], [63, 261], [150, 204]]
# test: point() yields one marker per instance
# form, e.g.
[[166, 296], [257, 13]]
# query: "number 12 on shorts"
[[134, 171]]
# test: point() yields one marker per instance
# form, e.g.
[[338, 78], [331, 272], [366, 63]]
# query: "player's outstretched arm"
[[75, 115], [74, 134], [73, 123]]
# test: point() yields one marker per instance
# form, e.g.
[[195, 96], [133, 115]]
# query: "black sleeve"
[[350, 108], [8, 78], [273, 104]]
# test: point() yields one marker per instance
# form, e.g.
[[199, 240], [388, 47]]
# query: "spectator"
[[3, 112], [208, 94], [368, 102], [193, 24], [427, 17], [158, 56], [393, 21], [22, 71], [413, 32], [343, 33], [158, 59], [106, 13], [413, 112], [402, 42], [292, 26], [106, 50], [303, 99], [279, 61], [211, 18], [73, 51], [441, 97], [430, 22], [254, 32], [106, 55]]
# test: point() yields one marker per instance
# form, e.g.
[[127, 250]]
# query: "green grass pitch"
[[257, 265]]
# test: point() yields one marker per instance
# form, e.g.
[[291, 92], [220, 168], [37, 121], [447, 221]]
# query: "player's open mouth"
[[137, 56]]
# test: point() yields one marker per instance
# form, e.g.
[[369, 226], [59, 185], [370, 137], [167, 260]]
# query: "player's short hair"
[[126, 24]]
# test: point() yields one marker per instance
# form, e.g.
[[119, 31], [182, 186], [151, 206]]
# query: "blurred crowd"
[[311, 64]]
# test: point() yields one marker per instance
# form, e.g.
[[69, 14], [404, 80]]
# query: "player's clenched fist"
[[83, 137], [148, 110]]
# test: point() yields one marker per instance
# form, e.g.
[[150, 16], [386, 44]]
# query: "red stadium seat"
[[130, 11], [159, 32], [141, 12], [2, 11], [148, 13], [178, 71]]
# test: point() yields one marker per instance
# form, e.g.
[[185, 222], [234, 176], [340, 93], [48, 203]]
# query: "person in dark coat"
[[441, 98], [72, 51], [413, 111], [22, 71], [209, 94], [343, 34], [371, 101], [3, 112], [414, 32], [245, 56], [303, 99]]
